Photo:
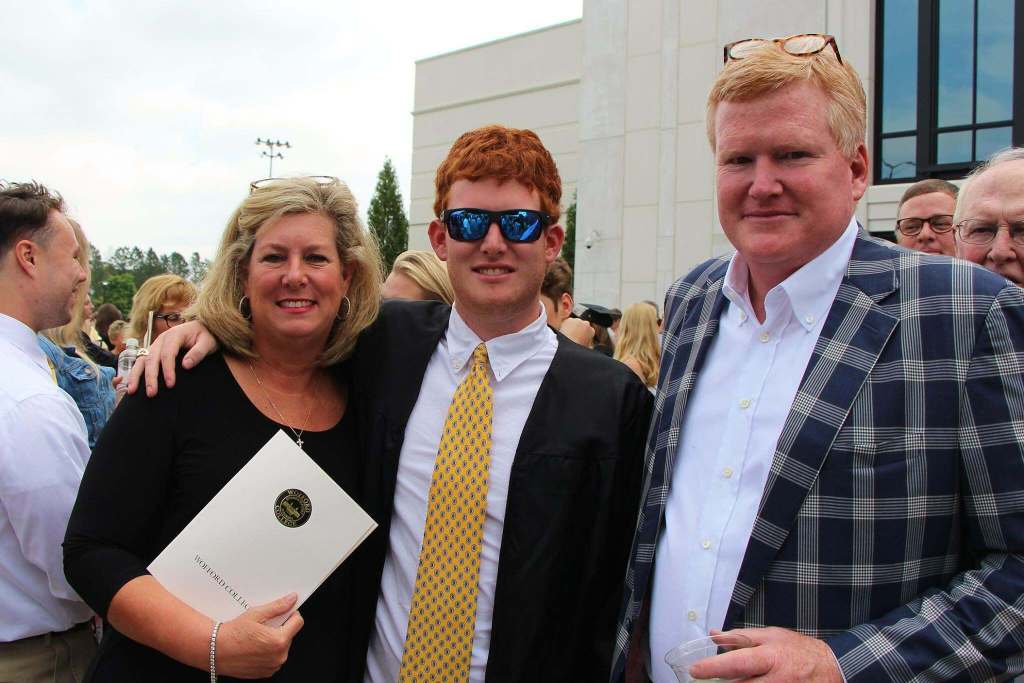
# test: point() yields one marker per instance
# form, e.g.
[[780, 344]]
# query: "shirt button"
[[743, 316], [809, 319], [727, 472], [691, 615], [765, 336], [705, 544], [745, 403]]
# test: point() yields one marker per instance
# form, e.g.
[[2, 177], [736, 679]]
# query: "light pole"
[[271, 151]]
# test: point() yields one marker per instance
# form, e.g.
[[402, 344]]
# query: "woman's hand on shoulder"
[[578, 331], [248, 648], [163, 353]]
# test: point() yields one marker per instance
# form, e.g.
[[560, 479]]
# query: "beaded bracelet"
[[213, 652]]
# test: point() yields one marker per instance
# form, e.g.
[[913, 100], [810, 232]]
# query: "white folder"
[[280, 526]]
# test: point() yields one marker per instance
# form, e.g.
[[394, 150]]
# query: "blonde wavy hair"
[[69, 335], [218, 304], [119, 327], [427, 271], [767, 70], [154, 293], [638, 339]]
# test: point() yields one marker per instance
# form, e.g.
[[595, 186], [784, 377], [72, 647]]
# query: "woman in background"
[[167, 296], [88, 337], [637, 342], [117, 334], [105, 315], [419, 276]]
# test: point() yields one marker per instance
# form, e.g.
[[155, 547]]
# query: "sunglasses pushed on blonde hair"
[[756, 67]]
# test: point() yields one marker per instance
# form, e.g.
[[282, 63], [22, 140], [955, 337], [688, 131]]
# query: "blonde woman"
[[637, 342], [117, 333], [419, 276], [167, 296], [295, 281]]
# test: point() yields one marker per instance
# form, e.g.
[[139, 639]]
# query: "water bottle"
[[124, 365]]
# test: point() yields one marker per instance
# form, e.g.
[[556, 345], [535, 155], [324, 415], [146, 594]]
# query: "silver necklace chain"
[[298, 434]]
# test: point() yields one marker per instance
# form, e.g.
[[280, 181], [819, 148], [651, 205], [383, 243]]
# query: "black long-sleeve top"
[[157, 463]]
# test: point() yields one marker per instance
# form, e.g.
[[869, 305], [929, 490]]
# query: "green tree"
[[569, 246], [197, 267], [387, 218], [149, 266], [175, 263], [99, 270], [126, 259], [118, 289]]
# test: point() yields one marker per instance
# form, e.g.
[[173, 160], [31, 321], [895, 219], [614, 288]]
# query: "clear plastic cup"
[[685, 655]]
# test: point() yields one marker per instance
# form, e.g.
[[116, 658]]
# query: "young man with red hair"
[[512, 569], [567, 436]]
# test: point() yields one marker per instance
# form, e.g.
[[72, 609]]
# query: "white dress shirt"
[[733, 421], [519, 362], [43, 452]]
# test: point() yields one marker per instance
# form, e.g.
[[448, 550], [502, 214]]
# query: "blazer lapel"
[[686, 345], [854, 335], [685, 354]]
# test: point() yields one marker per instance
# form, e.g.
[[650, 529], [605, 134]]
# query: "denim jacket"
[[95, 399]]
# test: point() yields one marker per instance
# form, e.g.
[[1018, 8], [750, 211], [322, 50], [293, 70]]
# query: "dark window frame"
[[927, 85]]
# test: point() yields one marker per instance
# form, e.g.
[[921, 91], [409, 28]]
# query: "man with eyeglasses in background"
[[990, 215], [524, 585], [925, 217], [835, 466]]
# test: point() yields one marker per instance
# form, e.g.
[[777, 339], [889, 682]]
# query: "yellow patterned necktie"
[[442, 618]]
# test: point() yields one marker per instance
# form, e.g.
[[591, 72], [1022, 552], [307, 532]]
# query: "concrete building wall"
[[647, 209], [525, 81], [621, 93]]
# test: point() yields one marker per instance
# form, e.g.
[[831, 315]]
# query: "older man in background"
[[990, 215], [834, 467]]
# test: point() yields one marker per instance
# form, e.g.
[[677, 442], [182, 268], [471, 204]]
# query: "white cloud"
[[144, 114]]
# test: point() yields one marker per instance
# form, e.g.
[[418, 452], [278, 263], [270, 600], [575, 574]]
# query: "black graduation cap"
[[594, 313]]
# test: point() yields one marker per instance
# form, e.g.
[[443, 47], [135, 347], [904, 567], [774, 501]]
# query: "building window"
[[946, 93]]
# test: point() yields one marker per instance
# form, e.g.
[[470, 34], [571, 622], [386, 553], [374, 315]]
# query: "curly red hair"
[[504, 154]]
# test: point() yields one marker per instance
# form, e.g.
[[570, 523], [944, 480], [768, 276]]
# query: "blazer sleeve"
[[973, 629]]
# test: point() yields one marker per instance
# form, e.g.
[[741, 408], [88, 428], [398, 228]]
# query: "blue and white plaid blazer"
[[892, 522]]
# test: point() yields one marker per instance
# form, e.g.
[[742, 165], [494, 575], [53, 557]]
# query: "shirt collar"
[[803, 289], [19, 335], [504, 353]]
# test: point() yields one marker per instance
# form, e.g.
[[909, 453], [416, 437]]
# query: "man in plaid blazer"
[[835, 465]]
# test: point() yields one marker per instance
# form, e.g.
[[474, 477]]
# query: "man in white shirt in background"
[[45, 630]]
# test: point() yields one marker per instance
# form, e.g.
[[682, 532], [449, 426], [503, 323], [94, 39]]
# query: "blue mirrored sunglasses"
[[516, 225]]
